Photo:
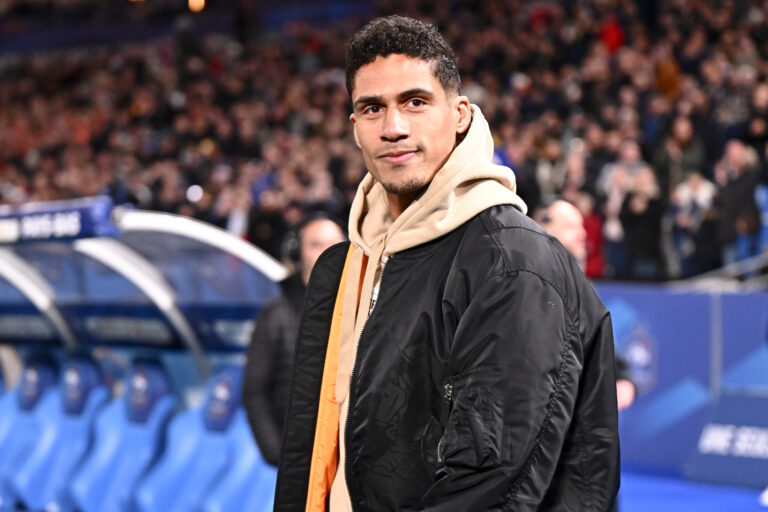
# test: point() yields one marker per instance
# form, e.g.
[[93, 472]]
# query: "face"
[[567, 225], [683, 129], [405, 123], [315, 238]]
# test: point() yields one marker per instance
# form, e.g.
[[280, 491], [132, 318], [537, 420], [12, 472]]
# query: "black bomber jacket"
[[484, 379]]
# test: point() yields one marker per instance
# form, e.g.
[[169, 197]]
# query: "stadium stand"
[[250, 133]]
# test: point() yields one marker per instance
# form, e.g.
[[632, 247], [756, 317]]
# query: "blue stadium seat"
[[27, 411], [40, 483], [249, 483], [130, 435], [210, 454]]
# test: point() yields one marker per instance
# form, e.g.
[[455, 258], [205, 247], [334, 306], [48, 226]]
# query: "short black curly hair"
[[406, 36]]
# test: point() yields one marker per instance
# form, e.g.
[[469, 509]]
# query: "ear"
[[463, 113], [354, 129]]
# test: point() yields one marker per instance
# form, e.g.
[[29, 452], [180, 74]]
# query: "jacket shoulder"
[[519, 244]]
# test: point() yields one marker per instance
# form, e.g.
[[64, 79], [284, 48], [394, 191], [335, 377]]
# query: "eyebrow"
[[367, 100]]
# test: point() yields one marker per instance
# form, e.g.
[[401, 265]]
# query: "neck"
[[399, 202]]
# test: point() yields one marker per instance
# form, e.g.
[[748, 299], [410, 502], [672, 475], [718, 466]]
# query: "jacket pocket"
[[474, 431]]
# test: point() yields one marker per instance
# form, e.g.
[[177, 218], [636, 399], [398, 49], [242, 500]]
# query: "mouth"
[[397, 156]]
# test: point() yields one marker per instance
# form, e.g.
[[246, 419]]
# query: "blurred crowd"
[[650, 117], [17, 16]]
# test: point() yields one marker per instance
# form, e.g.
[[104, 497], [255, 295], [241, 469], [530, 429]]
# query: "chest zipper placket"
[[354, 372]]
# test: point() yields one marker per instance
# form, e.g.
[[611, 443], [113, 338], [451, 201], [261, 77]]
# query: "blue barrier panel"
[[744, 345], [666, 337], [733, 446]]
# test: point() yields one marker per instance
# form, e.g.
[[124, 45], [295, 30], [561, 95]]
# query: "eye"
[[417, 102], [372, 109]]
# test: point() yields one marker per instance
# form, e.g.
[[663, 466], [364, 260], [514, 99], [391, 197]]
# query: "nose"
[[395, 126]]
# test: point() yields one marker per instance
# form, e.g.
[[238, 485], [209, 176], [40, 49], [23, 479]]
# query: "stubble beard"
[[412, 186]]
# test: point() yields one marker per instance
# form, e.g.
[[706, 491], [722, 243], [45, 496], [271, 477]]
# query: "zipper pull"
[[448, 392]]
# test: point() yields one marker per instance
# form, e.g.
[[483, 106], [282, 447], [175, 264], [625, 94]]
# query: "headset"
[[290, 249], [542, 215]]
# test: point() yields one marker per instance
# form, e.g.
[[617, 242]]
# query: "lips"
[[398, 156]]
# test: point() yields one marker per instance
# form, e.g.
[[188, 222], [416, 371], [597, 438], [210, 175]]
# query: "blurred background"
[[155, 155]]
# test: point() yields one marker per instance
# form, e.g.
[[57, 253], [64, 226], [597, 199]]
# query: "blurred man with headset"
[[269, 363]]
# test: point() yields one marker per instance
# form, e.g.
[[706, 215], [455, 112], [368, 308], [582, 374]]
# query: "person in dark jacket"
[[269, 359], [641, 218], [450, 356]]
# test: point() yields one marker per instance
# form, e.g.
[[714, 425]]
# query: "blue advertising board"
[[700, 362], [665, 336], [732, 447], [744, 343], [57, 220]]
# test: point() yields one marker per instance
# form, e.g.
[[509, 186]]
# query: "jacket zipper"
[[447, 395], [352, 378]]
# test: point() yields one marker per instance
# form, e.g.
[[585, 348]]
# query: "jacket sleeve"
[[262, 360], [532, 408]]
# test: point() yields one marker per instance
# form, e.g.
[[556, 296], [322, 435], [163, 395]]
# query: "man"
[[451, 357], [565, 222], [269, 362]]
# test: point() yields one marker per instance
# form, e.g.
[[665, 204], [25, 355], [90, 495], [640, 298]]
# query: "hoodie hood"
[[467, 184]]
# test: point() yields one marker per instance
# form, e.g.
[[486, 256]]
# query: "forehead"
[[320, 228], [394, 74], [565, 213]]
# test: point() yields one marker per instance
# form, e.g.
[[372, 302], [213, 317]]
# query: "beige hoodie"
[[466, 185]]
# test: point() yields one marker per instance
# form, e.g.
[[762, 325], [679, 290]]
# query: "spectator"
[[594, 266], [694, 228], [681, 154], [269, 363], [641, 215], [616, 179], [737, 176]]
